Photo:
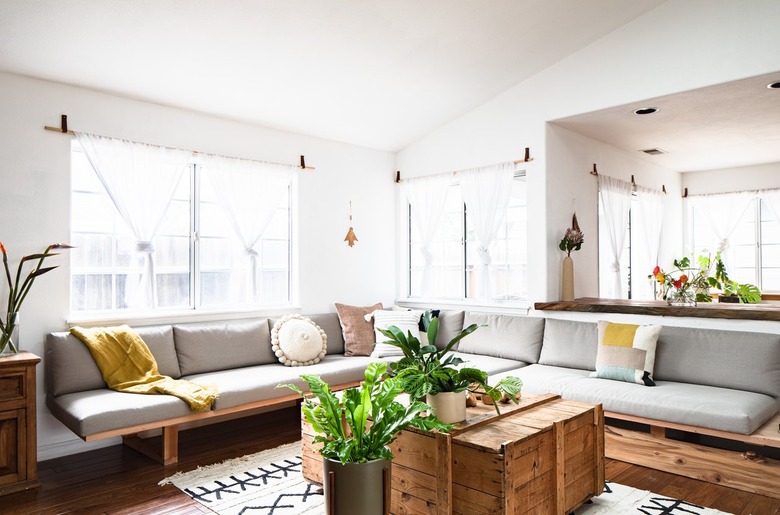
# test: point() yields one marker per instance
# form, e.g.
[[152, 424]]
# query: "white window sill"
[[513, 307], [141, 318]]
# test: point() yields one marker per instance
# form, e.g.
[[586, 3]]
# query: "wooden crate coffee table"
[[545, 455]]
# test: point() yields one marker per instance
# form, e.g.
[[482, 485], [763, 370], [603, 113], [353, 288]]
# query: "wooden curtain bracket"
[[303, 166], [685, 193], [398, 179], [632, 181], [63, 128], [663, 188], [526, 158], [594, 171]]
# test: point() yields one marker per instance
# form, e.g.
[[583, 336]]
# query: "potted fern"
[[434, 374], [355, 431]]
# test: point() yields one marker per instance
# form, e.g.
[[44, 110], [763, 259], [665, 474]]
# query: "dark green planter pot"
[[357, 488]]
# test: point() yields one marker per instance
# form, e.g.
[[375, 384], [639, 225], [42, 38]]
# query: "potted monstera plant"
[[434, 374], [355, 430]]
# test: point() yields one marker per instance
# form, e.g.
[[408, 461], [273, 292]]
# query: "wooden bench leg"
[[168, 455]]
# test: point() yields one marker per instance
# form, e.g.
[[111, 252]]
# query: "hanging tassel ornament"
[[350, 238]]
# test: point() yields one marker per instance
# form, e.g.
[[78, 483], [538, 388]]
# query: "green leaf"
[[432, 328]]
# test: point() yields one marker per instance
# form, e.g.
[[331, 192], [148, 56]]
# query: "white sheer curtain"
[[772, 199], [616, 202], [427, 196], [249, 193], [486, 192], [649, 225], [140, 179], [722, 212]]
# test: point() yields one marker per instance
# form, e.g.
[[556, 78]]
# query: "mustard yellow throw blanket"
[[127, 365]]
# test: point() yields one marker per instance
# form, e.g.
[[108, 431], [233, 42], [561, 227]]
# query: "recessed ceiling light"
[[653, 151], [646, 110], [774, 85]]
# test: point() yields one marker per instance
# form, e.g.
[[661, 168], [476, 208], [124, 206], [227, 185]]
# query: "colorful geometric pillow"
[[626, 352]]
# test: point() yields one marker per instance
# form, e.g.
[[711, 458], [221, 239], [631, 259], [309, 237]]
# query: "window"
[[198, 262], [605, 256], [455, 262], [753, 254], [641, 245]]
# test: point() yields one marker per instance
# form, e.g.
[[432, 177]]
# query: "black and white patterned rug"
[[270, 483]]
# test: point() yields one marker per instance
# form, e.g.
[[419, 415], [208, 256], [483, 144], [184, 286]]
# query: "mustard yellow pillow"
[[626, 352]]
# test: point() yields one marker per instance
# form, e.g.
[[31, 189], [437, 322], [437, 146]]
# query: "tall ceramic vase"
[[567, 279], [357, 488]]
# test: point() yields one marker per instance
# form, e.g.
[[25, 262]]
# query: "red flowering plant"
[[685, 281], [18, 288]]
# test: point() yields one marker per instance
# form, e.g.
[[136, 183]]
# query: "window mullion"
[[464, 241], [194, 236], [758, 246]]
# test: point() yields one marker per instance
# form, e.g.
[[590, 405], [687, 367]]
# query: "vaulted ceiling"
[[376, 73]]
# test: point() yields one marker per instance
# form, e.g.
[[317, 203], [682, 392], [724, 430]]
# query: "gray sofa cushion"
[[568, 343], [488, 364], [712, 407], [252, 384], [222, 345], [538, 379], [450, 326], [504, 336], [69, 366], [95, 411], [722, 409], [731, 359]]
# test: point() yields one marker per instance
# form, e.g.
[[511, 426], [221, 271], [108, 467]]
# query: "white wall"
[[569, 153], [757, 177], [35, 202], [681, 45]]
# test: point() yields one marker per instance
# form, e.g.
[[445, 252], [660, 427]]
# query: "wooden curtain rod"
[[595, 172], [63, 128], [526, 159]]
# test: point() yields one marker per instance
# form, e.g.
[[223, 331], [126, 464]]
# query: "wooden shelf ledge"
[[766, 310]]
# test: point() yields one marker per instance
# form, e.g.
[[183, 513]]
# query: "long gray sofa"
[[721, 381]]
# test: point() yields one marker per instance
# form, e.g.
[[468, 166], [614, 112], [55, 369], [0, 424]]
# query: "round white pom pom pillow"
[[297, 341]]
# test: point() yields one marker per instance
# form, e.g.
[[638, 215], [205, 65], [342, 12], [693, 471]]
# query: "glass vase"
[[681, 298], [9, 336]]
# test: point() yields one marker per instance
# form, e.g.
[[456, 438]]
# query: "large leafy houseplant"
[[428, 370], [372, 414], [18, 288]]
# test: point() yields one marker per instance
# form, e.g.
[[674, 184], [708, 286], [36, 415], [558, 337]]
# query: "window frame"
[[516, 304], [194, 311], [758, 259]]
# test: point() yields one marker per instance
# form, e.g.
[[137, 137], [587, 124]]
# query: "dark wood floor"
[[117, 480]]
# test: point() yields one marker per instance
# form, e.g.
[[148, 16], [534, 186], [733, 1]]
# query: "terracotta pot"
[[449, 407]]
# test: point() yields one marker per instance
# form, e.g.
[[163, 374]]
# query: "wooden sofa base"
[[168, 452], [751, 473]]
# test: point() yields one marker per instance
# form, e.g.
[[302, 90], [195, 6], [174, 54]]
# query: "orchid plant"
[[18, 288]]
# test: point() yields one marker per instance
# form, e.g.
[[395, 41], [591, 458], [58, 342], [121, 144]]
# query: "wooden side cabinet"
[[18, 438]]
